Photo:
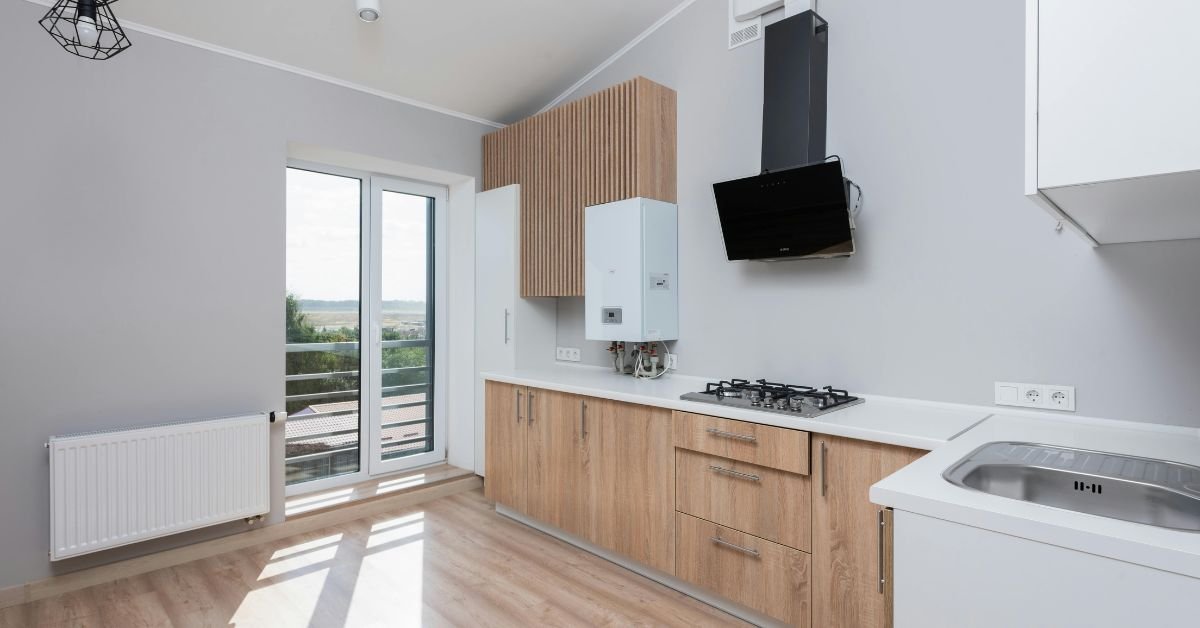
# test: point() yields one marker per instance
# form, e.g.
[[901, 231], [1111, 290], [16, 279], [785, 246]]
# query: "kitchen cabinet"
[[764, 445], [507, 441], [762, 501], [949, 575], [631, 473], [777, 520], [555, 492], [1111, 133], [510, 332], [616, 144], [600, 470], [767, 577], [851, 536]]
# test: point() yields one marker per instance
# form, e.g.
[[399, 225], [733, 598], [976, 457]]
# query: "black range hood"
[[798, 207]]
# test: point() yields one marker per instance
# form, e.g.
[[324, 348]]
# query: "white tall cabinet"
[[1113, 116], [501, 315]]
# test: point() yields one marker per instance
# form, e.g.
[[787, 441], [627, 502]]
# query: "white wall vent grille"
[[742, 33]]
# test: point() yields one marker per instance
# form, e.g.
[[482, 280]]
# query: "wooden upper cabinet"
[[615, 144], [848, 539]]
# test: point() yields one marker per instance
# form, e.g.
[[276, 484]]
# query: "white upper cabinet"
[[1113, 116]]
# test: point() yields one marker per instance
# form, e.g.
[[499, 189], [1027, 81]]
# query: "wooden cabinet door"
[[630, 470], [505, 442], [616, 144], [848, 540], [552, 460]]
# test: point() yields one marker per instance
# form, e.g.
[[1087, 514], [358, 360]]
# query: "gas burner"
[[803, 401]]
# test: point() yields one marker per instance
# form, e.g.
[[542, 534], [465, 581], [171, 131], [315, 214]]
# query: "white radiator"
[[114, 488]]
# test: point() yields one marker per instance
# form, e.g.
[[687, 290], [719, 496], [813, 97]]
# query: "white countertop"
[[923, 425], [920, 488]]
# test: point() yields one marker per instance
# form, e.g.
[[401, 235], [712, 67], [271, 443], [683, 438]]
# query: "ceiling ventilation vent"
[[741, 33]]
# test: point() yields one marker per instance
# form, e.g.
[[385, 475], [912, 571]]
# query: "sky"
[[323, 239]]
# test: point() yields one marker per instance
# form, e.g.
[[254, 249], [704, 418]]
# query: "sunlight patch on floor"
[[290, 602], [396, 530], [390, 586]]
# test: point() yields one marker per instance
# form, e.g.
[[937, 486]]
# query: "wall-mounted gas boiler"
[[631, 268]]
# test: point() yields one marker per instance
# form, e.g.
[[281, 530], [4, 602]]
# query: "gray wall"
[[960, 280], [142, 243]]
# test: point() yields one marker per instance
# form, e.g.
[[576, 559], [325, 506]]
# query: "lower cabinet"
[[852, 584], [774, 519], [631, 481], [770, 578], [601, 470]]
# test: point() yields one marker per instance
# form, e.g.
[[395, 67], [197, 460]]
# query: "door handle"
[[506, 336], [736, 474], [583, 418], [882, 527], [518, 391], [824, 484], [529, 407], [749, 438], [745, 550]]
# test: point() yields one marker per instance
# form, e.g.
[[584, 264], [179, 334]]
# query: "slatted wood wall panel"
[[616, 144]]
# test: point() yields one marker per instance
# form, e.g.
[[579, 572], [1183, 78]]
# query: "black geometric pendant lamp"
[[86, 28]]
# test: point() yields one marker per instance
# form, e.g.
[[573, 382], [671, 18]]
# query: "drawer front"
[[762, 501], [765, 576], [764, 445]]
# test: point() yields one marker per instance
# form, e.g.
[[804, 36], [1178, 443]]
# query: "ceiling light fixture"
[[86, 28], [368, 10]]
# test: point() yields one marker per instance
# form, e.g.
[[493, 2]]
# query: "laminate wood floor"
[[448, 562]]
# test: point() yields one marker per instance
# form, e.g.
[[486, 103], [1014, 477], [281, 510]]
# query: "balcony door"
[[360, 386]]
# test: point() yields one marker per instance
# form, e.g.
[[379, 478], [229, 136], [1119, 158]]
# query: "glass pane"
[[406, 375], [323, 321]]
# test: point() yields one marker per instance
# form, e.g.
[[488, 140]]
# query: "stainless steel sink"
[[1154, 492]]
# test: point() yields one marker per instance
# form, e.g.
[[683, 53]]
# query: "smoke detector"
[[368, 10]]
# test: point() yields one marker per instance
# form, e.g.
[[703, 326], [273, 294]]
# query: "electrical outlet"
[[1042, 396], [672, 361], [567, 354]]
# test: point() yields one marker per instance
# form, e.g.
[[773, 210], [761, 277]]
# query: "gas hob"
[[789, 399]]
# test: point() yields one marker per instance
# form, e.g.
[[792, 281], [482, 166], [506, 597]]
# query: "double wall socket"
[[567, 354], [1042, 396]]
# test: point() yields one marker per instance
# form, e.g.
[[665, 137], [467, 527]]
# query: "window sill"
[[375, 488]]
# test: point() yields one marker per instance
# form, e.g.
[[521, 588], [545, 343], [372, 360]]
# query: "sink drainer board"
[[1142, 490]]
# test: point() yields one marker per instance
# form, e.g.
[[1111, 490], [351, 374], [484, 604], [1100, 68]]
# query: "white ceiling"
[[499, 60]]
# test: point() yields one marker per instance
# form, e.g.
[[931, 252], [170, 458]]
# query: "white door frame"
[[380, 184], [370, 336]]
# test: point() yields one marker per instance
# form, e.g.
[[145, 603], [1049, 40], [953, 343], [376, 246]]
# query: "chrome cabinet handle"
[[749, 438], [529, 407], [882, 526], [582, 418], [736, 474], [745, 550], [518, 391], [824, 484], [506, 336]]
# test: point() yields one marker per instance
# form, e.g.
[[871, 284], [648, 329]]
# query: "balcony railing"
[[401, 396]]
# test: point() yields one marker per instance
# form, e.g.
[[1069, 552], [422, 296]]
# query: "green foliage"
[[301, 331]]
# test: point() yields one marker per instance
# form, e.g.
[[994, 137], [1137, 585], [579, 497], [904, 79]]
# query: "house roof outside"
[[309, 434]]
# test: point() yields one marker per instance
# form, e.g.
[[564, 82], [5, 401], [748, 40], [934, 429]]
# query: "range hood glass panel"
[[801, 212]]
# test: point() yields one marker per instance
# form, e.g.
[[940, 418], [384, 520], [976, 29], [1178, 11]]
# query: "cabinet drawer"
[[765, 576], [765, 502], [765, 445]]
